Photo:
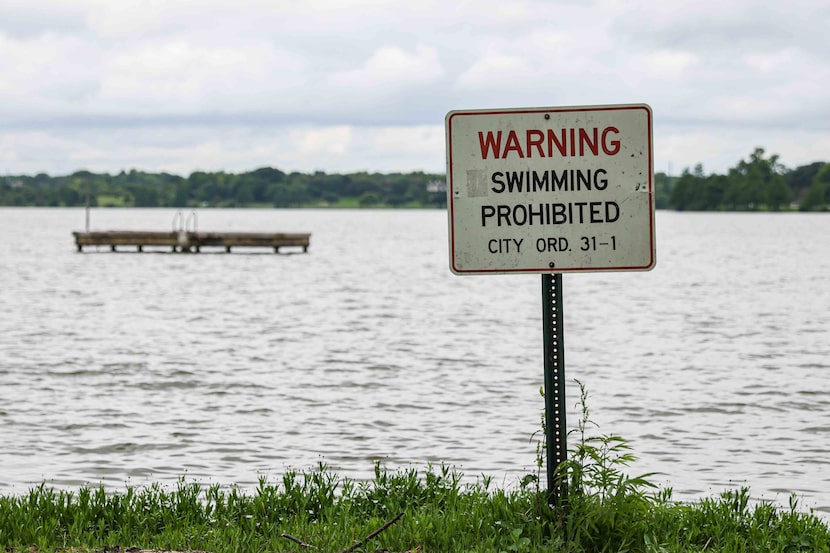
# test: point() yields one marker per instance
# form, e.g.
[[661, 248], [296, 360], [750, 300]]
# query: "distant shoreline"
[[759, 183]]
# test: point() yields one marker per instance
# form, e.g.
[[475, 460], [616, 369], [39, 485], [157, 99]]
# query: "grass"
[[105, 200], [438, 514], [315, 510]]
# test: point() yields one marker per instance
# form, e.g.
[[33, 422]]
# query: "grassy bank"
[[317, 511], [409, 510]]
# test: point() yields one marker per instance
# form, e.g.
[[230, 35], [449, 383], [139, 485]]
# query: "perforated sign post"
[[551, 191]]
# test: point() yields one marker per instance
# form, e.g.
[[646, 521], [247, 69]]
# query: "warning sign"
[[543, 190]]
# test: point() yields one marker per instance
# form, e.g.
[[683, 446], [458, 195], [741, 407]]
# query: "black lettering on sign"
[[505, 245], [552, 244], [566, 180], [554, 213]]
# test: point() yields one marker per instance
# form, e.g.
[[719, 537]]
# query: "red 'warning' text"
[[549, 142]]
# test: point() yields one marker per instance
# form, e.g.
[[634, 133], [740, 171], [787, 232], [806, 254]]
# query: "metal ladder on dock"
[[181, 225]]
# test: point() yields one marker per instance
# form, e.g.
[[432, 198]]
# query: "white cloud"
[[237, 81], [185, 77], [414, 147], [184, 149], [45, 73], [318, 142], [30, 18], [499, 71], [670, 64], [391, 68]]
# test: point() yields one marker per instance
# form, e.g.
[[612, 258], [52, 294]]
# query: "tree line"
[[759, 182], [756, 183], [264, 187]]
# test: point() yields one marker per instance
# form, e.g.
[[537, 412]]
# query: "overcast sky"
[[354, 85]]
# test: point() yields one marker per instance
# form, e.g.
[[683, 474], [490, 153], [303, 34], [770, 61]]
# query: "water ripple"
[[139, 368]]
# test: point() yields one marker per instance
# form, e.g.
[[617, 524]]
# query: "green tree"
[[817, 197], [757, 182], [145, 196], [292, 194], [777, 194], [714, 187], [800, 178], [369, 199], [663, 186], [683, 192], [181, 195]]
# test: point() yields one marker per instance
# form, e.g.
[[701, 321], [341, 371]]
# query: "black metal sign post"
[[555, 424]]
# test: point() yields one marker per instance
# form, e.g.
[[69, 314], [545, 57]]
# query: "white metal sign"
[[541, 190]]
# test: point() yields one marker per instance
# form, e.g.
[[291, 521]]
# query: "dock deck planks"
[[191, 241]]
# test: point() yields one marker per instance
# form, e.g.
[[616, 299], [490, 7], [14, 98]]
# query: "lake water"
[[127, 369]]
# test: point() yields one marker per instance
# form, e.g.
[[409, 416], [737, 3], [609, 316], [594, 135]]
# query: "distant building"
[[437, 186]]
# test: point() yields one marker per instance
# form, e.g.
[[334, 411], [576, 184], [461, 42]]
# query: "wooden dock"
[[191, 241]]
